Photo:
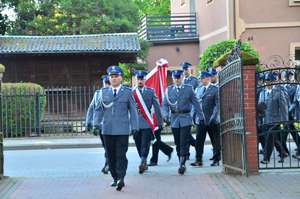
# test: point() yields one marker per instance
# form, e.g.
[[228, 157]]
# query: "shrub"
[[215, 51], [23, 107]]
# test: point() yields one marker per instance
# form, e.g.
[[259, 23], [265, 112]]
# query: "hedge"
[[20, 103], [215, 51]]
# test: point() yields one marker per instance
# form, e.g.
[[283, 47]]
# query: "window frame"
[[294, 2]]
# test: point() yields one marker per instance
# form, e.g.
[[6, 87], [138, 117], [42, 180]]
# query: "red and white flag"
[[156, 79]]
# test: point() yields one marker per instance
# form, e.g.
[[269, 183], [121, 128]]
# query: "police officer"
[[214, 77], [177, 104], [90, 115], [143, 137], [290, 88], [189, 79], [274, 99], [295, 109], [116, 110], [208, 121]]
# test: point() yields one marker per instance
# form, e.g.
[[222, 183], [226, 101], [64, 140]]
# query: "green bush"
[[128, 70], [215, 51], [247, 59], [23, 107]]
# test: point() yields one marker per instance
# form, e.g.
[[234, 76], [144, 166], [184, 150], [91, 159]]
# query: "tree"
[[3, 20], [56, 17], [153, 7]]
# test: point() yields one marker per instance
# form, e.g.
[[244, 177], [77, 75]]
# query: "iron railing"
[[56, 111], [172, 27], [232, 128], [278, 121]]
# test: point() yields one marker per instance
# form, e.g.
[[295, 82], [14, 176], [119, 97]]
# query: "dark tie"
[[178, 89], [204, 90], [115, 92]]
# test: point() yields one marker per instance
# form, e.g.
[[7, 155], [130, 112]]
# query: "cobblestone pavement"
[[73, 174], [213, 185]]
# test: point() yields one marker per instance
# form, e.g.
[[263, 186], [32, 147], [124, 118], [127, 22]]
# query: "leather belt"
[[181, 111]]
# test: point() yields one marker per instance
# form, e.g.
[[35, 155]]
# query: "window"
[[297, 54], [294, 2]]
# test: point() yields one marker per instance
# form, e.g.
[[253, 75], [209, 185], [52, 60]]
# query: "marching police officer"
[[90, 115], [177, 104], [146, 99], [116, 110], [274, 99], [208, 121], [189, 79]]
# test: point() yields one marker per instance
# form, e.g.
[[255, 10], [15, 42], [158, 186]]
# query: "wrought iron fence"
[[232, 114], [172, 27], [57, 111], [278, 111]]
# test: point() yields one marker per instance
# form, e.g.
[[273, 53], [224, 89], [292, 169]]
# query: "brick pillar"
[[250, 118]]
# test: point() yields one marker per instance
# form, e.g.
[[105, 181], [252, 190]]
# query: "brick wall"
[[250, 118]]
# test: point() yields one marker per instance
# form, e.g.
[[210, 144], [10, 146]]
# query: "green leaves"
[[215, 51], [58, 17]]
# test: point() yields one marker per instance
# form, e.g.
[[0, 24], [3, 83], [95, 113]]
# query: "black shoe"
[[215, 163], [197, 164], [105, 169], [281, 160], [264, 162], [120, 185], [181, 170], [114, 183], [212, 158], [142, 168], [170, 156], [151, 164], [296, 156]]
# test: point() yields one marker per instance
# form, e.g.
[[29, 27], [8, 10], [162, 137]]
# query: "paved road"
[[74, 174], [81, 162]]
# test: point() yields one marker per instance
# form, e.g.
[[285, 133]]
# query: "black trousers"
[[142, 141], [182, 137], [116, 149], [294, 132], [159, 145], [103, 144], [213, 131], [274, 137]]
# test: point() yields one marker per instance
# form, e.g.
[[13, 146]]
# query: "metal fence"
[[278, 122], [232, 114], [176, 26], [56, 111]]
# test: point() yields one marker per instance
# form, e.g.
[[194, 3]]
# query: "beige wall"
[[273, 30], [273, 41], [187, 52], [268, 11], [212, 22], [176, 6]]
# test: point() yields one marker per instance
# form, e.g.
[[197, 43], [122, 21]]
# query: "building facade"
[[272, 27]]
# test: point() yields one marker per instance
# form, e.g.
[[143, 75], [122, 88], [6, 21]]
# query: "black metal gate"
[[278, 115], [232, 115]]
